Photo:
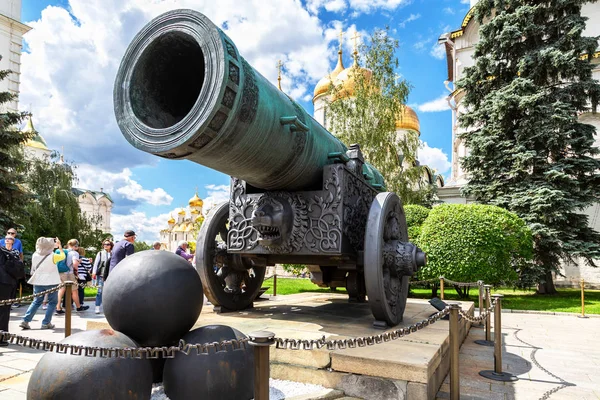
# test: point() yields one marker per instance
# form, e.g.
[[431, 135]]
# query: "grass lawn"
[[567, 300]]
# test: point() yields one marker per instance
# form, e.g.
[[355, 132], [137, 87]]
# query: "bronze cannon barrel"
[[184, 92]]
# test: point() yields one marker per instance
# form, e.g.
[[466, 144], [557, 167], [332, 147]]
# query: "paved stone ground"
[[555, 357]]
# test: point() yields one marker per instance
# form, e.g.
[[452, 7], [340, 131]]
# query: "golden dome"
[[196, 201], [181, 212], [408, 119], [346, 80], [36, 140], [171, 220], [323, 85]]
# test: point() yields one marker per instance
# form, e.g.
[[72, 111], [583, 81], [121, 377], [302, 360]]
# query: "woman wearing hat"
[[44, 276]]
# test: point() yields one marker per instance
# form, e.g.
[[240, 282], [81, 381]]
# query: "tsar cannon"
[[298, 194]]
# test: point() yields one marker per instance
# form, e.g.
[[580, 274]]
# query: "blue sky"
[[73, 51]]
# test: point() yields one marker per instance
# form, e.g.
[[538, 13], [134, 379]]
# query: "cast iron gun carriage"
[[298, 194]]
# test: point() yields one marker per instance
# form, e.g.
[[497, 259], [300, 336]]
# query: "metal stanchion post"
[[442, 287], [488, 337], [454, 352], [582, 300], [261, 341], [275, 282], [68, 288], [497, 373], [480, 304]]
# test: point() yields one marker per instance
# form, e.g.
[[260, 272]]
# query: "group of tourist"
[[51, 265]]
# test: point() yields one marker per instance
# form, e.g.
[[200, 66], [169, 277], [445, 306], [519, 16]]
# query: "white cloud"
[[411, 17], [435, 158], [217, 194], [68, 74], [421, 44], [358, 6], [438, 51], [449, 10], [439, 104], [465, 1], [125, 191], [369, 6], [148, 228]]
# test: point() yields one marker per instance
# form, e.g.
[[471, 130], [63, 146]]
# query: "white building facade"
[[460, 48], [11, 45]]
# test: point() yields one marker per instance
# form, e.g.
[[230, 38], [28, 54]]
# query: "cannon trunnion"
[[298, 194]]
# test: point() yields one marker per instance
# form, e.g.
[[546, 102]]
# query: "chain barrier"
[[462, 283], [227, 345], [340, 344], [125, 352], [32, 296], [423, 281], [478, 283], [481, 317]]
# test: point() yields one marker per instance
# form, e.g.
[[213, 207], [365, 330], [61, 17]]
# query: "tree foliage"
[[141, 246], [54, 210], [467, 243], [528, 152], [367, 115], [415, 217], [13, 196]]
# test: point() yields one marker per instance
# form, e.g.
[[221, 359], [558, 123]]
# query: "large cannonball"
[[65, 376], [154, 297], [226, 375]]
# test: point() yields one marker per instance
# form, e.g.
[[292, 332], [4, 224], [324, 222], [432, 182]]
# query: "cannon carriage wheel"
[[228, 280], [386, 291]]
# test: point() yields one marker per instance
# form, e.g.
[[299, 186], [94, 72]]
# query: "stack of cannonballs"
[[151, 299]]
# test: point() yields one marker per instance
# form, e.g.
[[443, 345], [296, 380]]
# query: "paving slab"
[[554, 356]]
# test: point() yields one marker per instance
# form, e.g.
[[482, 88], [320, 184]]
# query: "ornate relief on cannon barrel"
[[306, 222]]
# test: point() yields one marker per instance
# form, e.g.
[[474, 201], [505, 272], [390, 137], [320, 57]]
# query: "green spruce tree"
[[528, 152], [366, 110], [13, 196]]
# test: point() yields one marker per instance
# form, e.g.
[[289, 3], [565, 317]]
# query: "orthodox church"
[[344, 79], [460, 48], [182, 228]]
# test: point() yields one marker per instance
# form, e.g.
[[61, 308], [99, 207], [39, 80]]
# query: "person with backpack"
[[72, 263], [100, 270], [44, 276]]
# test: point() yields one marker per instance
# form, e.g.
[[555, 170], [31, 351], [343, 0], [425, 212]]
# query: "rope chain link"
[[126, 352], [227, 345], [31, 296], [340, 344]]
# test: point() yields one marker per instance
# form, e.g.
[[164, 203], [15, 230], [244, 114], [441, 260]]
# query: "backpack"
[[62, 265]]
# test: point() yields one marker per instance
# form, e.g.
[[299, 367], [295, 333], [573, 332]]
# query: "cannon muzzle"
[[184, 92]]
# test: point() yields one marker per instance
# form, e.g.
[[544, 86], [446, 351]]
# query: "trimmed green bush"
[[415, 216], [467, 243]]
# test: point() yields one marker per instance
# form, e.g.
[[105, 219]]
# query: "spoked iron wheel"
[[386, 290], [229, 280]]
